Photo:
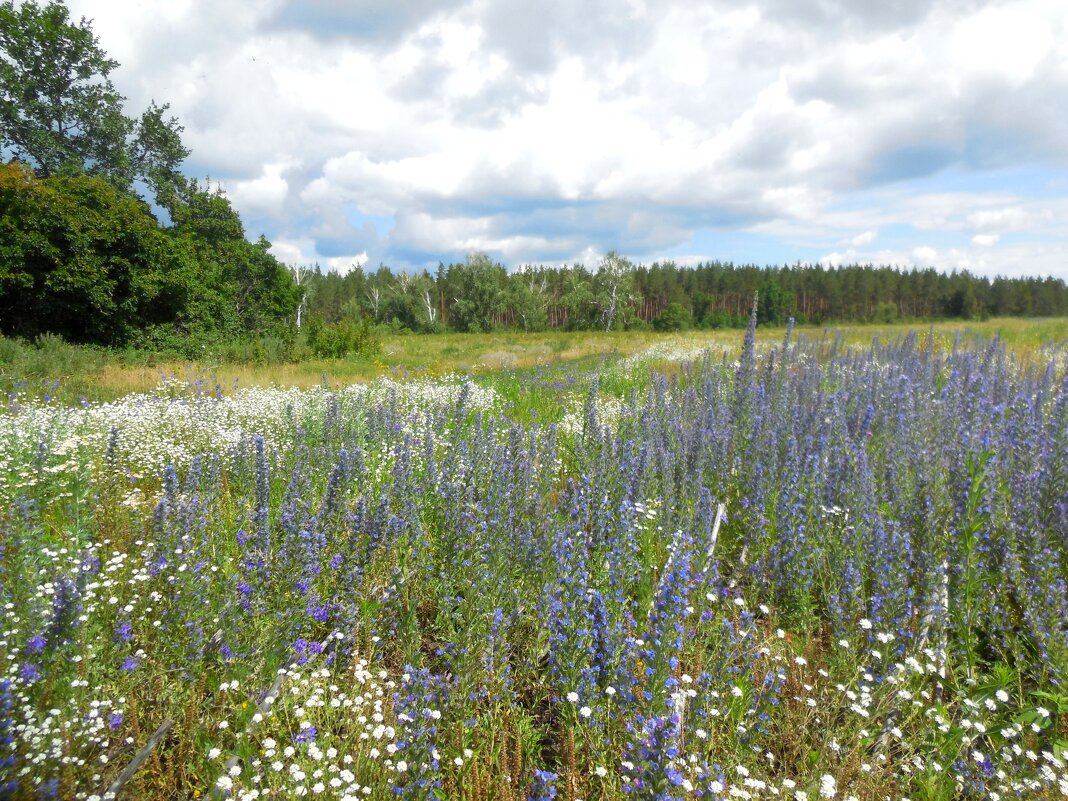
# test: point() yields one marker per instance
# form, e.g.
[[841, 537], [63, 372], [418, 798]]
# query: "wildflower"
[[828, 786]]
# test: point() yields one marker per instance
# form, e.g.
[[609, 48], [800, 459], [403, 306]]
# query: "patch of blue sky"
[[541, 214], [908, 163], [1031, 238], [367, 22], [1027, 182], [903, 236], [405, 258], [334, 247], [739, 247], [382, 224]]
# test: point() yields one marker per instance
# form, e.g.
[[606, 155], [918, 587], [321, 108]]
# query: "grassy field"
[[69, 374], [813, 572]]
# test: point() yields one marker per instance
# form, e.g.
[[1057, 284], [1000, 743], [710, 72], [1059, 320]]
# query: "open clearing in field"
[[802, 571], [100, 378]]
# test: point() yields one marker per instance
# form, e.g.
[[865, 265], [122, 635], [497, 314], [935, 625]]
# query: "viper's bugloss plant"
[[814, 572]]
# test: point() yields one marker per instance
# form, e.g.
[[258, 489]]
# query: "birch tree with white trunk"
[[614, 283], [300, 274]]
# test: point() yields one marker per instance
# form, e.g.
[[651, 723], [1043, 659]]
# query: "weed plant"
[[806, 572]]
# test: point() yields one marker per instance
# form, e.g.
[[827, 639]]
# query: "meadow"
[[51, 369], [817, 566]]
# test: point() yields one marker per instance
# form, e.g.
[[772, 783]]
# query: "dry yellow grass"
[[482, 353]]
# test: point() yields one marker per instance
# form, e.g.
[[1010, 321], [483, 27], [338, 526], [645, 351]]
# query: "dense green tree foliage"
[[675, 317], [776, 303], [84, 260], [343, 338], [479, 295], [241, 288], [81, 254], [60, 112]]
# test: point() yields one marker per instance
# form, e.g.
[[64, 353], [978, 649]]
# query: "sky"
[[349, 132]]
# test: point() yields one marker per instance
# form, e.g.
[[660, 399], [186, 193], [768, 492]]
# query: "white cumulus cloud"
[[552, 130]]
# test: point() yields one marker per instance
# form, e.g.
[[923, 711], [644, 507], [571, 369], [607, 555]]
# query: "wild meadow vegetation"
[[267, 533], [50, 369], [791, 568], [105, 242]]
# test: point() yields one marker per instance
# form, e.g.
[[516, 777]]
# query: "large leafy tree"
[[614, 289], [528, 297], [60, 112], [82, 259], [242, 288], [478, 287], [80, 252], [776, 303]]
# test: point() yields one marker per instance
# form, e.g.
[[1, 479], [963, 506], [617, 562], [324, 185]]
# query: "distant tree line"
[[84, 254], [85, 258], [481, 295]]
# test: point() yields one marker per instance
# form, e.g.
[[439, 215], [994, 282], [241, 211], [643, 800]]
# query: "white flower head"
[[828, 786]]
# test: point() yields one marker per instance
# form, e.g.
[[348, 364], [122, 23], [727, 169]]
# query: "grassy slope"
[[97, 376]]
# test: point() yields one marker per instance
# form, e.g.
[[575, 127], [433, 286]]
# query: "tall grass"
[[799, 570], [31, 371]]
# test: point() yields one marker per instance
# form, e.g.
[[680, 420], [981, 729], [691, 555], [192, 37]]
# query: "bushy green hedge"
[[343, 338], [675, 317]]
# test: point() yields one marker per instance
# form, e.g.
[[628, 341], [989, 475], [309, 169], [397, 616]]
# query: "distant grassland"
[[69, 374]]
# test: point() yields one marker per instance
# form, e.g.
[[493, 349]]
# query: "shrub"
[[344, 338], [675, 317]]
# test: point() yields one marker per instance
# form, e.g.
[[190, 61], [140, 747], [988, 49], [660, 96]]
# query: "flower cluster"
[[809, 573]]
